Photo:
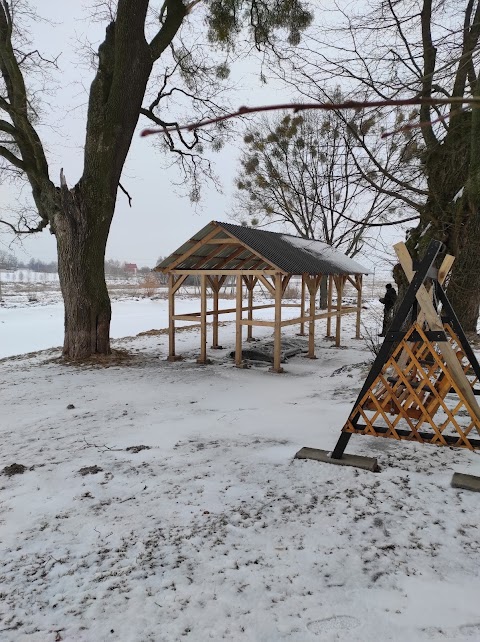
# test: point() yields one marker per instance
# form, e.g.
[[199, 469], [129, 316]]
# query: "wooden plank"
[[194, 316], [302, 306], [277, 331], [203, 320], [233, 272], [359, 280], [171, 313], [193, 249], [267, 284], [179, 282], [260, 256], [252, 280], [268, 324], [226, 259], [339, 283], [434, 323], [215, 281], [225, 241], [320, 315], [310, 283], [238, 328], [209, 257], [329, 305]]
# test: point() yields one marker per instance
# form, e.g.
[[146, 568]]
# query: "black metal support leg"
[[341, 445]]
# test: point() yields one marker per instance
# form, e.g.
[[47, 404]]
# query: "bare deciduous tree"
[[129, 58], [417, 48], [299, 171]]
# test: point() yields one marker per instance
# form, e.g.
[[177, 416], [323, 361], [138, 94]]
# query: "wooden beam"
[[277, 331], [171, 319], [209, 256], [194, 316], [250, 282], [255, 253], [302, 306], [248, 322], [202, 359], [215, 281], [313, 283], [321, 315], [359, 286], [443, 271], [339, 283], [193, 249], [434, 323], [285, 282], [224, 260], [329, 305], [234, 272], [238, 329], [179, 282], [267, 284], [225, 240]]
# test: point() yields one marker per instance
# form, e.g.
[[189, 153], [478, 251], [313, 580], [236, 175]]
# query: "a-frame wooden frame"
[[416, 369]]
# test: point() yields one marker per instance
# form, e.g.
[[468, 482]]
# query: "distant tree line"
[[9, 261]]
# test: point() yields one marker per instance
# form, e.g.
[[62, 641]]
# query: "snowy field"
[[161, 502]]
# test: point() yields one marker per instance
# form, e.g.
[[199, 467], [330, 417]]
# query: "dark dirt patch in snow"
[[14, 469], [90, 470], [136, 449]]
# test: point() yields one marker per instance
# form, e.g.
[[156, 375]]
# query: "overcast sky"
[[160, 218]]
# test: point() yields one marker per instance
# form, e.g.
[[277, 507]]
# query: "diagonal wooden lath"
[[412, 396]]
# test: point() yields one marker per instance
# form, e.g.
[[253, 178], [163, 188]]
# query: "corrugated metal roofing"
[[291, 254]]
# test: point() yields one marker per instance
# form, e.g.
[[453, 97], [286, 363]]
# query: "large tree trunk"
[[81, 232], [464, 285]]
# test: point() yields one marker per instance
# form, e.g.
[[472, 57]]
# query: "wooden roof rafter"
[[257, 249]]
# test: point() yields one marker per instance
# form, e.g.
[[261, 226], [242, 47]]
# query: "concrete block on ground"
[[467, 482], [357, 461]]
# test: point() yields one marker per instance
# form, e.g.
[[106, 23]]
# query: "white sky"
[[160, 219]]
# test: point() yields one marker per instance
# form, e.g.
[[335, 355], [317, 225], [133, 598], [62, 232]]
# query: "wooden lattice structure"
[[251, 257], [422, 384]]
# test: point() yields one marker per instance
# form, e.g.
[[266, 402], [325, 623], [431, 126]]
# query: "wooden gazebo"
[[252, 256]]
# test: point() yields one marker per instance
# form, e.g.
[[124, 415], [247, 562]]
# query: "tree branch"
[[299, 107], [126, 194], [11, 158]]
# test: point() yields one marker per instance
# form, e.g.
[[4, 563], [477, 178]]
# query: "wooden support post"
[[239, 327], [311, 324], [302, 307], [359, 282], [250, 282], [215, 283], [202, 359], [171, 321], [339, 283], [329, 305], [313, 283], [277, 331]]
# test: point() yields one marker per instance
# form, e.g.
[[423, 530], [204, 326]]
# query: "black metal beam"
[[448, 315]]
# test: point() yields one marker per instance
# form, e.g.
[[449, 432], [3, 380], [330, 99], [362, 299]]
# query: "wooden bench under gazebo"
[[252, 256]]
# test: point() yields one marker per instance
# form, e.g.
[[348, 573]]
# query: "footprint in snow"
[[334, 623]]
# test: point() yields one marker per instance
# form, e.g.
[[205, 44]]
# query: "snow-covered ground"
[[213, 531], [28, 329]]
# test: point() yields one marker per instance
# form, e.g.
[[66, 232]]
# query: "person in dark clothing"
[[389, 302]]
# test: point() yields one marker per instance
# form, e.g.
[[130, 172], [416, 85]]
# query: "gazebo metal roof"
[[262, 250]]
